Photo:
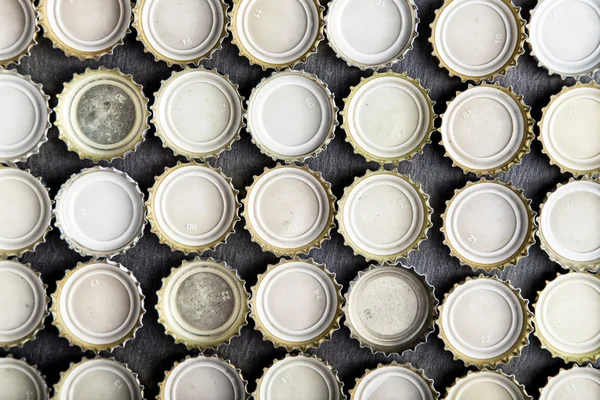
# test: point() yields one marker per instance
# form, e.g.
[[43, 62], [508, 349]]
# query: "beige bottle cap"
[[487, 384], [19, 380], [25, 212], [85, 29], [19, 30], [384, 215], [193, 207], [489, 224], [299, 377], [102, 114], [289, 210], [296, 304], [477, 40], [390, 309], [203, 304], [277, 34], [485, 322], [198, 113], [577, 383], [388, 117], [183, 32], [487, 129]]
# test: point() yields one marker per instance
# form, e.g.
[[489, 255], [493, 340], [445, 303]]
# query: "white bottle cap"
[[577, 383], [389, 381], [19, 29], [19, 380], [487, 384]]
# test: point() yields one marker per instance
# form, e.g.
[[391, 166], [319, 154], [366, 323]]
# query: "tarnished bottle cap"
[[487, 384], [569, 129], [384, 215], [98, 306], [193, 207], [289, 210], [489, 225], [277, 34], [203, 304], [296, 304], [25, 212], [388, 381], [569, 224], [182, 32], [291, 115], [102, 114], [567, 317], [203, 377], [487, 129], [100, 212], [19, 380], [390, 309], [388, 117], [299, 377], [85, 29], [19, 30], [476, 40], [577, 383], [485, 322], [198, 113]]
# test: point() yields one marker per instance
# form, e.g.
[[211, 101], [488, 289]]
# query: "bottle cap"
[[493, 384], [289, 210], [477, 40], [184, 32], [296, 304], [198, 113], [569, 224], [102, 114], [485, 322], [374, 34], [19, 31], [19, 380], [291, 115], [564, 37], [98, 377], [100, 212], [487, 129], [489, 224], [203, 304], [276, 34], [85, 29], [576, 383], [569, 129], [388, 117], [203, 376], [390, 309], [25, 212], [387, 381], [193, 207], [299, 377], [98, 306], [384, 215], [23, 304], [567, 317]]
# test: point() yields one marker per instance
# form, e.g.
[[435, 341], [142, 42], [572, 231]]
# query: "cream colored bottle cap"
[[289, 210], [487, 129], [182, 32], [564, 36], [277, 34], [577, 383], [390, 309], [203, 377], [487, 384], [19, 380], [299, 377], [296, 304], [102, 114], [98, 306], [477, 40], [570, 225], [198, 113], [569, 129], [388, 117], [390, 381], [291, 115], [100, 212], [485, 322], [489, 225], [383, 216], [19, 30], [85, 29], [203, 304], [193, 207], [25, 212]]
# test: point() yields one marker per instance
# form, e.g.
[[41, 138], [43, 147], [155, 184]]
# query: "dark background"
[[152, 352]]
